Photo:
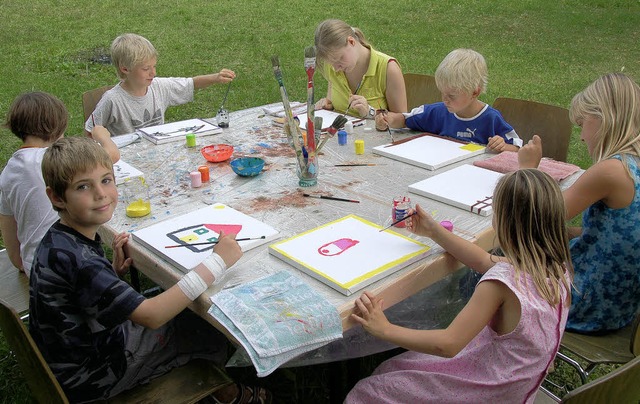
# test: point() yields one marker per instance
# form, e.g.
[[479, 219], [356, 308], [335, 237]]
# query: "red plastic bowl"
[[216, 153]]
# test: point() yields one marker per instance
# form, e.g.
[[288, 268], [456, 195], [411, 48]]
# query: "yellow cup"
[[359, 146]]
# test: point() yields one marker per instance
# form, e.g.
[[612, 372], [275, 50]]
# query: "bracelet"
[[192, 285], [216, 265]]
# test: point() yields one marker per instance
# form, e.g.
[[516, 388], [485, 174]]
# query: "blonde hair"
[[529, 216], [464, 70], [69, 156], [332, 35], [129, 50], [615, 100], [37, 114]]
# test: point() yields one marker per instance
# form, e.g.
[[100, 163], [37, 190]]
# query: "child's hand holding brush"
[[423, 224], [387, 119]]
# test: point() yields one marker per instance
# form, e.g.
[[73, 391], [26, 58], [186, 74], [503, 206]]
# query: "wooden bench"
[[14, 286], [187, 384]]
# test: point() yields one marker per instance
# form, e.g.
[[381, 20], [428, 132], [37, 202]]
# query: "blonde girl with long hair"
[[360, 79], [499, 347], [605, 251]]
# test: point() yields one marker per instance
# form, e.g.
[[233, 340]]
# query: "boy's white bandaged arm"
[[192, 284]]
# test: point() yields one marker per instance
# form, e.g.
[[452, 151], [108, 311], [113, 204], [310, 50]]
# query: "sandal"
[[249, 395]]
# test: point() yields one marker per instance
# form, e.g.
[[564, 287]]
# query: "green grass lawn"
[[541, 50]]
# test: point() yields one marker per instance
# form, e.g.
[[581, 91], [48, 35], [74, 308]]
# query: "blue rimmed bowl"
[[247, 166]]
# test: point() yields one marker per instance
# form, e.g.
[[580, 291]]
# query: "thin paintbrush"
[[214, 242], [354, 93], [224, 100], [410, 138], [398, 221], [358, 165], [333, 198], [384, 113], [310, 68]]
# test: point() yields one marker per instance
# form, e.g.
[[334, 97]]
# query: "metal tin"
[[400, 209]]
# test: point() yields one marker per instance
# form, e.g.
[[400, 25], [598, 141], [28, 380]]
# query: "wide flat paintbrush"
[[310, 68], [293, 131], [337, 124]]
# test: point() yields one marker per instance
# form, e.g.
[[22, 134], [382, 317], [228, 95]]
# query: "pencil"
[[331, 198], [213, 242], [93, 122], [398, 221]]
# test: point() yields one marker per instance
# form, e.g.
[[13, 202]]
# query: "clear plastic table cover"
[[275, 198]]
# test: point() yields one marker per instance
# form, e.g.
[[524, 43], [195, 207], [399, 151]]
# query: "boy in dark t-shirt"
[[98, 335]]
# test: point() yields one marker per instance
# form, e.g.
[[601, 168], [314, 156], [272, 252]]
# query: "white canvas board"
[[123, 171], [350, 253], [125, 140], [327, 118], [430, 152], [467, 187], [278, 110], [175, 131], [202, 225]]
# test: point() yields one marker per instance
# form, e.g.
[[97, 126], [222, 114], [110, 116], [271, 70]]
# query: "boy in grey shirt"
[[141, 98]]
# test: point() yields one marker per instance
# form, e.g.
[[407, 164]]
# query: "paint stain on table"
[[292, 199]]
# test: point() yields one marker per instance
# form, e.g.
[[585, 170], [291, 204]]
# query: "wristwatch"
[[372, 113]]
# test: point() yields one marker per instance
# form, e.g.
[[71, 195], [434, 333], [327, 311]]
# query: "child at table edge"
[[500, 345], [461, 77], [37, 119], [605, 250], [140, 99], [99, 336]]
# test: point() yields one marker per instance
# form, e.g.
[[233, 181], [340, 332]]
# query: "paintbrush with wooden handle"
[[310, 68], [337, 124], [291, 127]]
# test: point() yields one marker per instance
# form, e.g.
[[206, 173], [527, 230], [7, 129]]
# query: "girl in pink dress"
[[499, 347]]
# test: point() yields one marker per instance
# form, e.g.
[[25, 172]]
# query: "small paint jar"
[[400, 209], [196, 179], [204, 173], [135, 193], [359, 146], [342, 137], [222, 118], [191, 140], [348, 127], [447, 225]]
